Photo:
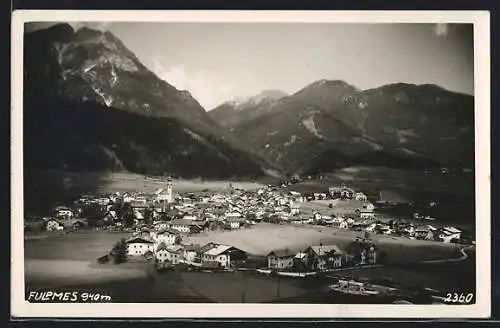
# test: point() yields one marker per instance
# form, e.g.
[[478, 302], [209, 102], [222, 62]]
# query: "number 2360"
[[459, 298]]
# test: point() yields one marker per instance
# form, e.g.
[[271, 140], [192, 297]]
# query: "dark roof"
[[325, 249], [139, 204], [234, 219], [63, 208], [169, 231], [282, 253], [54, 219], [169, 249], [206, 247], [183, 222], [139, 240]]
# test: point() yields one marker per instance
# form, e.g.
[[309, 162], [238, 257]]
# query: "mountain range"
[[235, 112], [330, 124], [91, 105]]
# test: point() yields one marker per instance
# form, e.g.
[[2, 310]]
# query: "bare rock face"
[[94, 65], [331, 124], [91, 105]]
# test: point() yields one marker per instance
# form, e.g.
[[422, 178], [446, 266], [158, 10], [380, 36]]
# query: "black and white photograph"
[[334, 165]]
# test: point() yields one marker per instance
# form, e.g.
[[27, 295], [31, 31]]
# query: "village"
[[159, 223]]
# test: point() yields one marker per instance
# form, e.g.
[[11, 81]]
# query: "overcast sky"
[[219, 62]]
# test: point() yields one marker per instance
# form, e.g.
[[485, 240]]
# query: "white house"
[[233, 214], [346, 192], [109, 216], [363, 214], [280, 259], [114, 197], [168, 237], [160, 225], [328, 219], [53, 225], [222, 255], [319, 196], [103, 201], [371, 227], [370, 206], [173, 255], [327, 256], [161, 195], [191, 255], [360, 196], [64, 213], [235, 223], [138, 216], [334, 191], [449, 233], [430, 227], [317, 216], [282, 201], [367, 211], [184, 226], [343, 225], [337, 219], [139, 246], [141, 199]]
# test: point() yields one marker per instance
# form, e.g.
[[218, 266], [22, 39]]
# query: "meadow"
[[68, 262], [454, 191], [262, 238]]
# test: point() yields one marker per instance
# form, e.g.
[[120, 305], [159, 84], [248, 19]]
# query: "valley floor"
[[68, 262]]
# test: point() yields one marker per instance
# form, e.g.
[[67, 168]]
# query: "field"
[[68, 262], [453, 191], [406, 183], [77, 246], [68, 258], [262, 238]]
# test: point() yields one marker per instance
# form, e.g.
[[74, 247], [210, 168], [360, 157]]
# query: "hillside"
[[236, 112], [90, 104], [324, 126], [89, 137], [92, 65], [331, 124]]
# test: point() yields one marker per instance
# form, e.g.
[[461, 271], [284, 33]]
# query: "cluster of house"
[[187, 213], [166, 248], [445, 234], [64, 218], [191, 213], [319, 258]]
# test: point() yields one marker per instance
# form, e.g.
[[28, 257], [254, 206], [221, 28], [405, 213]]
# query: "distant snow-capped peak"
[[243, 101]]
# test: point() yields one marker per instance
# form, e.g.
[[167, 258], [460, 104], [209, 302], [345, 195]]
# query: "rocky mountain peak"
[[89, 64]]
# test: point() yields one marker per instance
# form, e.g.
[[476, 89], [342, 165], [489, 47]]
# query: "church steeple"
[[169, 190]]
